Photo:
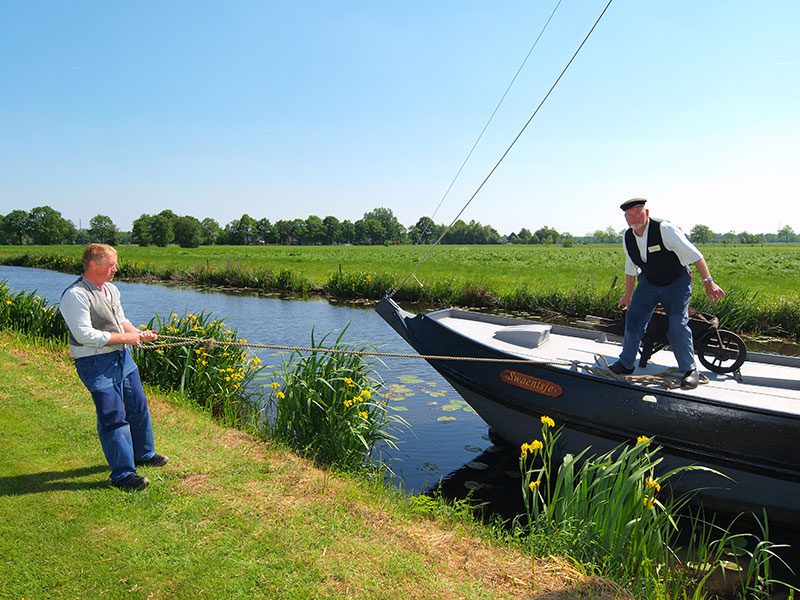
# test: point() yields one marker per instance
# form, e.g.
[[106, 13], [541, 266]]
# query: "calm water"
[[445, 435]]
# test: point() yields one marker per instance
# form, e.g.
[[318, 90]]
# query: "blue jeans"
[[123, 418], [675, 299]]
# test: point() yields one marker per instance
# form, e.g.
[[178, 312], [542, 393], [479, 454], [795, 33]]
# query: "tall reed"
[[28, 313], [616, 516], [329, 407]]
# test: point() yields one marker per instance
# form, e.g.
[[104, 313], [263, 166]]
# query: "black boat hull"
[[755, 448]]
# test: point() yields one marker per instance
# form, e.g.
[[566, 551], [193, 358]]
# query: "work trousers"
[[675, 300], [123, 417]]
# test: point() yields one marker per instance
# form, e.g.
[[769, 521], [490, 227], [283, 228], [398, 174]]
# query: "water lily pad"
[[431, 383], [429, 467], [432, 403], [409, 379], [469, 409], [399, 408], [451, 407], [473, 485], [397, 390], [435, 394], [494, 449], [513, 474], [446, 419], [469, 448], [477, 465]]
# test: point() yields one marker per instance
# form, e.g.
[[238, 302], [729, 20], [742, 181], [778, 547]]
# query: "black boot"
[[619, 369], [691, 379]]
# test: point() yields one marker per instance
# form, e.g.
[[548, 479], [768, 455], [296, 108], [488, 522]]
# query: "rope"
[[500, 160], [496, 108], [670, 379], [211, 342]]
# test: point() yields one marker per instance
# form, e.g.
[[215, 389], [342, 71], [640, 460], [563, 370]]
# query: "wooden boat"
[[744, 424]]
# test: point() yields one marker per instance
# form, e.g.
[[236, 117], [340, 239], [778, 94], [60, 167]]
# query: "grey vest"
[[105, 312]]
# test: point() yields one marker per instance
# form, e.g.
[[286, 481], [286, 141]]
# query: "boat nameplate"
[[534, 384]]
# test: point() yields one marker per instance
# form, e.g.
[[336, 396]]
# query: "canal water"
[[445, 441]]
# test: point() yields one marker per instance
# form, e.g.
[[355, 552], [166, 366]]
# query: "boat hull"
[[755, 448]]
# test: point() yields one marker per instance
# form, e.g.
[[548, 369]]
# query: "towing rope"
[[211, 342], [669, 379]]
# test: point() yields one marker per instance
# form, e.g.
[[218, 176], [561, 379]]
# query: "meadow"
[[575, 281]]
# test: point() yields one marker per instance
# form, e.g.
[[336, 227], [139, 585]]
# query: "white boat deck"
[[767, 386]]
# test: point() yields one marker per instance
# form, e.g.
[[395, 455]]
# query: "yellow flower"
[[142, 326], [173, 316], [275, 385], [159, 351], [363, 415], [366, 394], [204, 362], [642, 439], [349, 382], [534, 484], [523, 449], [198, 351], [9, 302], [653, 484], [649, 503], [348, 403], [256, 360], [535, 445], [227, 378], [280, 395], [548, 421]]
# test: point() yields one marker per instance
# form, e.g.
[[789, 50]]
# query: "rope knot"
[[209, 345]]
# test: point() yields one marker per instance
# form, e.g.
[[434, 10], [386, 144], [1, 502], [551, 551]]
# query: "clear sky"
[[286, 109]]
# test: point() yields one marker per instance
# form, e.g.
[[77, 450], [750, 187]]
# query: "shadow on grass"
[[49, 481]]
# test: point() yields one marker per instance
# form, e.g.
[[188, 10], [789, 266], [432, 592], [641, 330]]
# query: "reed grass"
[[612, 512], [329, 408], [28, 313]]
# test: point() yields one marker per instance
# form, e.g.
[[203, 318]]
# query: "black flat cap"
[[633, 202]]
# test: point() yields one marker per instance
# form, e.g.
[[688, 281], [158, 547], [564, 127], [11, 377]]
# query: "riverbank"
[[551, 281], [227, 517]]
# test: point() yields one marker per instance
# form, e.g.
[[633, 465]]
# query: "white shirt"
[[673, 238]]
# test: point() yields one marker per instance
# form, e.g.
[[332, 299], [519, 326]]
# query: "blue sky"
[[286, 109]]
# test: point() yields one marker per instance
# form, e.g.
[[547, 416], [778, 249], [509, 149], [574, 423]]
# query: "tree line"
[[44, 225]]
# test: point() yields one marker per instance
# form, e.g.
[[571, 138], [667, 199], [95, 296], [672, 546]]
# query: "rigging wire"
[[496, 108], [500, 160]]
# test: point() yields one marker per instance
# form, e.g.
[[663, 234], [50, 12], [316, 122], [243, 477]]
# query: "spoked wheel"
[[721, 351]]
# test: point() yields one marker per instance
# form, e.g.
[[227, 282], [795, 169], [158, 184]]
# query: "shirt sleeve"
[[630, 267], [74, 307], [674, 239]]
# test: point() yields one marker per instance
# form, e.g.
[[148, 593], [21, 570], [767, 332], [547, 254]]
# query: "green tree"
[[47, 226], [315, 230], [787, 233], [141, 233], [161, 230], [332, 230], [391, 229], [424, 231], [211, 231], [188, 232], [242, 231], [701, 234], [347, 232], [103, 230], [266, 231], [16, 227]]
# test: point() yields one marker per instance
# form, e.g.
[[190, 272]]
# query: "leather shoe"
[[157, 460], [690, 380], [619, 369]]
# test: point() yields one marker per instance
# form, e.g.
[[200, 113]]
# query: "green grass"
[[760, 280], [227, 517]]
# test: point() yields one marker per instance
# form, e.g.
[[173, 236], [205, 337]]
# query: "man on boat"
[[100, 337], [658, 254]]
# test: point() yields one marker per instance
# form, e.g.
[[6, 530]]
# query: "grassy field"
[[764, 298], [771, 270], [228, 517]]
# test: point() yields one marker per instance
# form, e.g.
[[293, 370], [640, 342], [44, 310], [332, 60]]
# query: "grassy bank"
[[763, 297], [228, 517]]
